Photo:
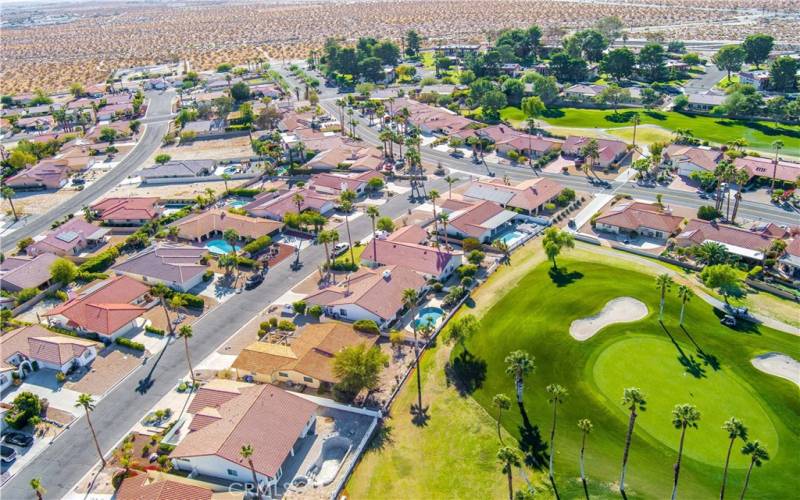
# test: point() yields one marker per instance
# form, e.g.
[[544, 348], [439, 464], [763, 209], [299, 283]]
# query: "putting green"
[[655, 367]]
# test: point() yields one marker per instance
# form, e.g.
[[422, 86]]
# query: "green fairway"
[[705, 364], [758, 134]]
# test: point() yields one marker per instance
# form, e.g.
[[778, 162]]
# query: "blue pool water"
[[428, 316], [220, 247], [236, 203], [510, 237]]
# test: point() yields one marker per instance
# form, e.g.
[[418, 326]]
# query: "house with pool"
[[483, 220], [528, 197], [211, 224], [408, 247], [126, 211], [275, 205], [375, 294]]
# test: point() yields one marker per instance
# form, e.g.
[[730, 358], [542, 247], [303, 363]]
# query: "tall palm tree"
[[742, 176], [8, 194], [683, 417], [736, 430], [502, 247], [434, 195], [185, 332], [685, 294], [298, 201], [720, 173], [519, 364], [777, 146], [161, 291], [410, 298], [232, 237], [633, 399], [663, 284], [86, 402], [585, 425], [591, 153], [557, 395], [508, 458], [450, 181], [373, 213], [36, 486], [758, 455], [326, 237], [247, 454], [225, 178], [347, 207], [444, 218], [501, 402]]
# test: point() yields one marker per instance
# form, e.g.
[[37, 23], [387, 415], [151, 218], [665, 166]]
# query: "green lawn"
[[758, 134], [345, 257], [706, 364]]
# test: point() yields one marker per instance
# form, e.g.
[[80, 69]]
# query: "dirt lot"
[[223, 149], [170, 191]]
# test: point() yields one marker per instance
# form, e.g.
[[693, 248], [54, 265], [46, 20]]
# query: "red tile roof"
[[403, 248], [142, 487], [38, 343], [698, 231], [126, 208], [470, 221], [635, 215], [764, 167]]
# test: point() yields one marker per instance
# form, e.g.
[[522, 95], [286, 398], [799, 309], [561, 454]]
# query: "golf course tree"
[[685, 294], [463, 328], [683, 417], [758, 455], [619, 63], [519, 364], [729, 58], [554, 241], [724, 278], [508, 458], [585, 426], [663, 284], [86, 402], [410, 298], [557, 395], [502, 403], [736, 430], [633, 399]]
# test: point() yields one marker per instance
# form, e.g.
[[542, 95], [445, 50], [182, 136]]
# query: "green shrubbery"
[[26, 294], [366, 325], [244, 192], [257, 245], [154, 330], [126, 342], [99, 262]]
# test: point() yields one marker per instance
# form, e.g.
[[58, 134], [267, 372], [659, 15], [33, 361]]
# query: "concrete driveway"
[[43, 383]]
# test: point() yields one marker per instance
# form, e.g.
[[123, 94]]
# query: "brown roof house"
[[35, 344], [176, 266], [47, 174], [747, 244], [405, 247], [154, 485], [609, 151], [783, 170], [637, 218], [375, 294], [126, 211], [529, 196], [483, 221], [306, 360], [70, 239], [265, 417], [688, 159], [198, 227], [17, 273]]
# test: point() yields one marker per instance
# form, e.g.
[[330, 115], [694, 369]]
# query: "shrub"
[[299, 307], [247, 263], [208, 275], [191, 300], [366, 325], [467, 270], [24, 407], [24, 243], [315, 311], [475, 257], [755, 272], [453, 296], [26, 294], [60, 377], [257, 245], [707, 212], [437, 287], [550, 207], [154, 330], [244, 192], [470, 244], [86, 276], [126, 342], [344, 265], [286, 326], [100, 262]]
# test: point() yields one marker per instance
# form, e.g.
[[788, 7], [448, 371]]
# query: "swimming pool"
[[220, 247], [428, 316], [511, 237], [237, 203]]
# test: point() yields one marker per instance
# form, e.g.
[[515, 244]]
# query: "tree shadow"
[[655, 115], [742, 325], [561, 277], [466, 372], [708, 358], [420, 416], [381, 439], [623, 117], [690, 363], [530, 442], [553, 113]]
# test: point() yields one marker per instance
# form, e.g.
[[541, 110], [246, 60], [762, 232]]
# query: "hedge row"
[[99, 262], [126, 342]]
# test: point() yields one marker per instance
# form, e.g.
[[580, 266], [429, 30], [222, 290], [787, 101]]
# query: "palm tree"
[[298, 201], [386, 137], [502, 247], [434, 195], [444, 218], [86, 402], [685, 294], [508, 458], [326, 237], [232, 237], [373, 213], [410, 298], [591, 152], [36, 486], [557, 396], [721, 173], [585, 425], [8, 193], [742, 176], [758, 455], [683, 417], [161, 291], [185, 333], [777, 146], [450, 181], [518, 365], [247, 454], [633, 399], [225, 178], [501, 402], [347, 207], [735, 429], [663, 283]]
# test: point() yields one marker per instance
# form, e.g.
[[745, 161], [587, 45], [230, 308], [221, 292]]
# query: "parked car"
[[738, 312], [253, 281], [728, 320], [340, 248], [456, 153], [18, 439], [7, 454]]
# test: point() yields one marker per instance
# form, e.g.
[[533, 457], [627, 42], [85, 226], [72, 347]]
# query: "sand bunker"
[[619, 310], [779, 365]]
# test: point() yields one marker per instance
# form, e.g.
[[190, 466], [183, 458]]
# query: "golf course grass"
[[703, 363]]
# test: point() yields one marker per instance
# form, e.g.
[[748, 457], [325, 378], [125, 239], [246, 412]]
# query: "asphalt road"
[[159, 108]]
